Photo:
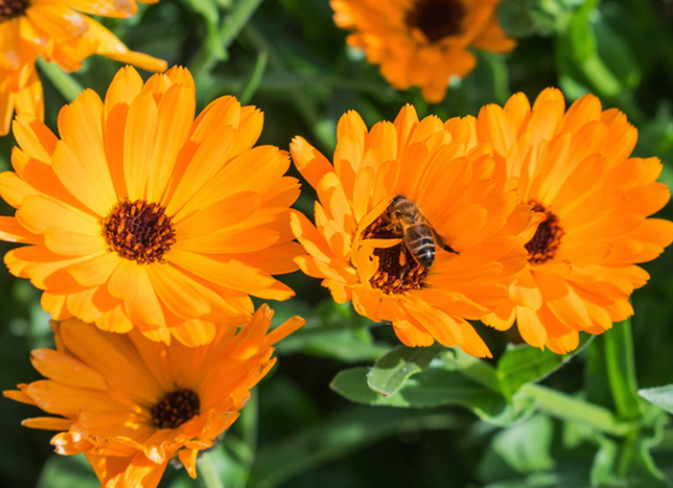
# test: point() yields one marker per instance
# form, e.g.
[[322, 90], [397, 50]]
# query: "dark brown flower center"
[[544, 244], [12, 8], [175, 409], [437, 19], [139, 231], [398, 271]]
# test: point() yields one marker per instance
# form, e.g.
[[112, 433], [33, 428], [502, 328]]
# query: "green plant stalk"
[[255, 78], [66, 85], [250, 424], [475, 369], [207, 473], [303, 105], [621, 370], [206, 59], [564, 407]]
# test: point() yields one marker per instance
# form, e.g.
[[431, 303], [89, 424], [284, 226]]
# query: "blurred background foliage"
[[440, 418]]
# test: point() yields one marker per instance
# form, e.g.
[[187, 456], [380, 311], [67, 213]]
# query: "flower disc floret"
[[595, 201], [132, 405], [361, 255], [144, 215], [422, 43]]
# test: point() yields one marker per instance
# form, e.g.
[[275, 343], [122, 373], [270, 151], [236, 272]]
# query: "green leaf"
[[627, 462], [434, 387], [340, 435], [524, 18], [390, 372], [349, 346], [67, 472], [524, 364], [661, 396], [332, 331], [522, 448], [593, 57]]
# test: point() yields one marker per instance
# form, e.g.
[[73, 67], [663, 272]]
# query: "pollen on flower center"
[[175, 408], [139, 231], [544, 244], [12, 8], [437, 19], [398, 271]]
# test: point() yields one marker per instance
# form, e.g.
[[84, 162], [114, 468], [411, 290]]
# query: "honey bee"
[[419, 235]]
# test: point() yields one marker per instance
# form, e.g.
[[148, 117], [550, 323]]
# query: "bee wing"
[[439, 239]]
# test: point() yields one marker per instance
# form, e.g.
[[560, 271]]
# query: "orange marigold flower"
[[358, 244], [575, 168], [422, 42], [141, 215], [59, 32], [131, 404]]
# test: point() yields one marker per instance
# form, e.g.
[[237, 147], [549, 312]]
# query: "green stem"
[[255, 78], [475, 369], [276, 82], [249, 422], [572, 409], [207, 472], [62, 81], [324, 132], [621, 369], [206, 59]]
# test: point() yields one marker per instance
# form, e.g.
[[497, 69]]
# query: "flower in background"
[[362, 257], [422, 42], [142, 216], [59, 32], [576, 168], [131, 404]]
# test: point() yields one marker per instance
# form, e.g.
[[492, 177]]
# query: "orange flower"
[[575, 168], [57, 31], [141, 215], [422, 42], [131, 405], [359, 254]]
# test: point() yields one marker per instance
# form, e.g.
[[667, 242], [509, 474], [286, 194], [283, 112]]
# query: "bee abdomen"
[[426, 257], [421, 245]]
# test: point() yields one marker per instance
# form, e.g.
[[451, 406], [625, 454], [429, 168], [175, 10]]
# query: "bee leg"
[[444, 245], [448, 248], [393, 227]]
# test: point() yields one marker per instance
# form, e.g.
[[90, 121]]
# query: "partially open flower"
[[142, 216], [412, 226], [131, 404], [59, 32], [422, 42], [576, 168]]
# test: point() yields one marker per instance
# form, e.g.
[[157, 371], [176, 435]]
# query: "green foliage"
[[347, 405], [662, 397], [523, 364], [390, 372]]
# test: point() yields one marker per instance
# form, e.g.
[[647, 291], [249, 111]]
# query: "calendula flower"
[[576, 168], [357, 245], [422, 42], [142, 216], [59, 32], [131, 404]]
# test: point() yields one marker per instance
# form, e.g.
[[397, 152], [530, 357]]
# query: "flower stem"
[[565, 407], [67, 86], [207, 473]]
